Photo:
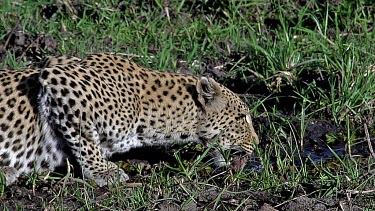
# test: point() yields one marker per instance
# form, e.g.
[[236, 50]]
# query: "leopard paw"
[[10, 174], [110, 177]]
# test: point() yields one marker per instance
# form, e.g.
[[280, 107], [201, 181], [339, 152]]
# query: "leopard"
[[104, 104], [26, 143]]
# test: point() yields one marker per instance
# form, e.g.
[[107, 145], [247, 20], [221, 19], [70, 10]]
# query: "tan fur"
[[90, 109]]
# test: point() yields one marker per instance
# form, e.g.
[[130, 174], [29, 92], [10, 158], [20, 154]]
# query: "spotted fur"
[[104, 104], [26, 143]]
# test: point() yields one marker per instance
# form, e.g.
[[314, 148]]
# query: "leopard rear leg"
[[93, 165], [78, 133]]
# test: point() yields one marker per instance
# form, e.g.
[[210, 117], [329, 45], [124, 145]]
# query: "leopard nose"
[[249, 145]]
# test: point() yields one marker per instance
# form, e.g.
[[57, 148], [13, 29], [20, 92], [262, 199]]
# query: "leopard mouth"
[[238, 150]]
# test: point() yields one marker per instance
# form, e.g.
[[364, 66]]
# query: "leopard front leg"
[[94, 165], [11, 174]]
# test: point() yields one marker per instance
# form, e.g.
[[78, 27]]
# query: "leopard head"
[[226, 118]]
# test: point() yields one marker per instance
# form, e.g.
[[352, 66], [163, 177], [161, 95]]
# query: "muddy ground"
[[22, 195], [33, 47], [306, 197]]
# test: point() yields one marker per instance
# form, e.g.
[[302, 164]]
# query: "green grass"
[[282, 45]]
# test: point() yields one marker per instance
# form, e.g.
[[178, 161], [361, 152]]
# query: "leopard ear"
[[210, 94]]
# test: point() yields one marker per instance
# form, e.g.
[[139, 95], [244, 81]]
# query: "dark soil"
[[22, 195], [26, 46]]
